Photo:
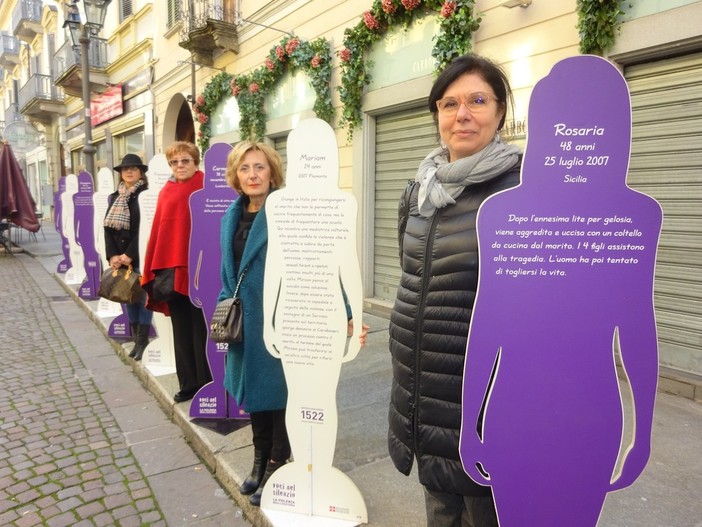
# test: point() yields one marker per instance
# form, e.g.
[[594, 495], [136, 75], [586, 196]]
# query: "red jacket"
[[169, 241]]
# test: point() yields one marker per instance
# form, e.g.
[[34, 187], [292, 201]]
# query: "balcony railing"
[[203, 11], [208, 25], [68, 71], [66, 57], [41, 88], [26, 19], [9, 50], [39, 99]]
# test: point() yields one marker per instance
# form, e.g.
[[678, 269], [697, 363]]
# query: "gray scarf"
[[441, 181]]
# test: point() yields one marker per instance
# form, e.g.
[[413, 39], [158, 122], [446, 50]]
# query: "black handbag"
[[227, 323], [121, 285], [162, 287]]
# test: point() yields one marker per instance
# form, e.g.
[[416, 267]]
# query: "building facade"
[[163, 59]]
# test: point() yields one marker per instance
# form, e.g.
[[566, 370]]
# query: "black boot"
[[251, 483], [142, 340], [271, 467], [133, 327]]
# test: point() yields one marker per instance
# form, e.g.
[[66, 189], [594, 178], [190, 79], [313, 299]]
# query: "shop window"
[[131, 142], [100, 155], [77, 162]]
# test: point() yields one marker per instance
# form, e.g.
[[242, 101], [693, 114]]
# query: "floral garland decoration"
[[598, 21], [206, 103], [456, 22], [250, 90]]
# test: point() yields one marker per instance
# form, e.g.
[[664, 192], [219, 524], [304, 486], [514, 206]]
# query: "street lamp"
[[95, 11]]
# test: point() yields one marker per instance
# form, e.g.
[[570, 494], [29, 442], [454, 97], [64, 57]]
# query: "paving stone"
[[28, 496], [37, 481], [104, 520], [69, 492], [69, 504], [8, 517], [67, 519], [124, 512], [91, 509], [50, 511], [29, 520]]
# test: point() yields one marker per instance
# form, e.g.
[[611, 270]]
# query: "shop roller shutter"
[[666, 163], [403, 139]]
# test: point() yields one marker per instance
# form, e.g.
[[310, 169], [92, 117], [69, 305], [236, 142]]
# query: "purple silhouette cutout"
[[84, 218], [207, 206], [566, 280], [119, 327], [65, 264]]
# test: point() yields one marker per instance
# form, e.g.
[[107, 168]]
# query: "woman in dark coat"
[[253, 376], [122, 240], [438, 251]]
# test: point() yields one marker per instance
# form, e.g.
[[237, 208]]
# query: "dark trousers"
[[270, 434], [189, 341], [454, 510]]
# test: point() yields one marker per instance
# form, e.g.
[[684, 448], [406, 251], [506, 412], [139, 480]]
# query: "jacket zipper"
[[420, 326]]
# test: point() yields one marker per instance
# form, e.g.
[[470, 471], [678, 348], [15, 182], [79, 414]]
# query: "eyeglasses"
[[475, 102], [176, 162]]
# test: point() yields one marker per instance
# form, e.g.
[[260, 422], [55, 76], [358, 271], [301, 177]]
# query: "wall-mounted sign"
[[22, 136], [107, 105]]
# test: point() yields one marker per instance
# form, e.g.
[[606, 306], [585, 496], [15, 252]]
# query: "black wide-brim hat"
[[131, 160]]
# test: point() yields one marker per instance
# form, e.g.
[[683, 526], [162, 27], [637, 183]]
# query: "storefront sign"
[[22, 136], [106, 106]]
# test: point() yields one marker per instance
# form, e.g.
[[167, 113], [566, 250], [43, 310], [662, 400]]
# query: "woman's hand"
[[115, 262], [125, 260], [364, 332]]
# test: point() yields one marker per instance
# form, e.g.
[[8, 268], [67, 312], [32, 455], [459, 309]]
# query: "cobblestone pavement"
[[64, 459]]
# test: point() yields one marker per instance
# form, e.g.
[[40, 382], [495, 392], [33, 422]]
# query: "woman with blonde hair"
[[253, 376]]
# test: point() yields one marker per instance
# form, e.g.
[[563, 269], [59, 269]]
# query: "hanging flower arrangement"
[[206, 103], [456, 23], [598, 23], [250, 89]]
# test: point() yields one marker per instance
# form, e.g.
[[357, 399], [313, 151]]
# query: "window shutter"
[[125, 9], [174, 12]]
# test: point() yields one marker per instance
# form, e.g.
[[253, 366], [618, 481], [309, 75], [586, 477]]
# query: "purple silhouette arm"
[[639, 352], [482, 359]]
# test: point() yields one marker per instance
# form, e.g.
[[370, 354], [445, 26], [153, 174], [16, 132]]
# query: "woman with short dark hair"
[[439, 258]]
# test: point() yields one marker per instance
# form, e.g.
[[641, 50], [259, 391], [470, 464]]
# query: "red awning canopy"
[[16, 203]]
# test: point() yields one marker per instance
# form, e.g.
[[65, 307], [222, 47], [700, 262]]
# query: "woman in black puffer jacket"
[[439, 259]]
